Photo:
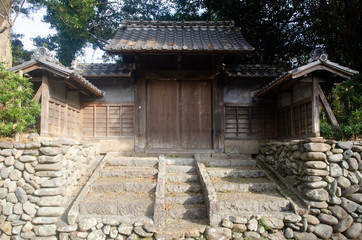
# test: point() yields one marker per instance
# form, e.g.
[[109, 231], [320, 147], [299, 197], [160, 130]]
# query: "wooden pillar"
[[315, 107], [66, 116], [218, 106], [44, 117], [140, 107]]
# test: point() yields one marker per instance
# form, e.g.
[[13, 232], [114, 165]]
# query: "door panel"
[[179, 115], [162, 115], [196, 121]]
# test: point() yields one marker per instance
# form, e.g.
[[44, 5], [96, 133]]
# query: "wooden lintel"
[[327, 107], [177, 75], [38, 94]]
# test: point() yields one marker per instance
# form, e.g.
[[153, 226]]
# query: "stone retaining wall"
[[328, 175], [37, 181]]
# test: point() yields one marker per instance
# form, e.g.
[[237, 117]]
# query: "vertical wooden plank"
[[305, 118], [292, 120], [107, 121], [44, 117], [140, 107], [237, 121], [121, 120], [94, 121], [59, 116], [218, 105], [66, 131], [315, 107]]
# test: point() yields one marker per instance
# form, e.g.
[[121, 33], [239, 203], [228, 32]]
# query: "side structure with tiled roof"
[[60, 90]]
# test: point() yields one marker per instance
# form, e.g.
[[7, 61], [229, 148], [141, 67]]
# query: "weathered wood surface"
[[44, 117], [179, 114], [328, 108], [107, 120], [315, 108]]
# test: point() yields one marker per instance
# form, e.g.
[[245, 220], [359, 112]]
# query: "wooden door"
[[179, 115], [196, 121], [162, 115]]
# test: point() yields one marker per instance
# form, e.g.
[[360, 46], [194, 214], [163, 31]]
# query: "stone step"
[[132, 161], [191, 211], [235, 203], [180, 169], [182, 177], [184, 198], [248, 215], [116, 184], [106, 219], [181, 229], [180, 161], [128, 172], [243, 184], [229, 162], [236, 172], [122, 204], [183, 187]]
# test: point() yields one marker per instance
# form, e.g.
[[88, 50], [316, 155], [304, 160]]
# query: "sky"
[[34, 26]]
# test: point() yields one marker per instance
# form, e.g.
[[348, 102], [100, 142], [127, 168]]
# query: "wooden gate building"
[[177, 90]]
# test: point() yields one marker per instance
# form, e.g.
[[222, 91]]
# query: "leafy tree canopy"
[[17, 109], [280, 30]]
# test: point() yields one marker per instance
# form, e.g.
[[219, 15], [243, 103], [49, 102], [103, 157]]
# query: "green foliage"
[[330, 132], [347, 106], [18, 52], [17, 109]]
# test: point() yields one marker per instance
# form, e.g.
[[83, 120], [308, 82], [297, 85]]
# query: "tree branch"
[[17, 14]]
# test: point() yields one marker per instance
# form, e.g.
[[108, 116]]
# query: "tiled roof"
[[321, 64], [253, 71], [166, 36], [103, 69], [42, 56]]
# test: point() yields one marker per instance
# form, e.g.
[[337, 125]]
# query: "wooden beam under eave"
[[178, 74], [44, 116], [315, 107], [327, 107]]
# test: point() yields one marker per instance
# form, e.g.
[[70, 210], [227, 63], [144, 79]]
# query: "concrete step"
[[180, 169], [243, 184], [184, 198], [122, 204], [229, 162], [235, 172], [183, 187], [266, 202], [182, 177], [180, 229], [117, 184], [191, 211], [180, 161], [132, 161], [128, 172]]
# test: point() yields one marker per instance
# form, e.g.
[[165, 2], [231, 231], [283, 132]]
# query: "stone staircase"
[[181, 196], [125, 188], [243, 189], [184, 202]]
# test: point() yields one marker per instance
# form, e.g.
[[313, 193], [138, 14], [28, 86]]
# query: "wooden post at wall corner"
[[315, 107], [44, 116]]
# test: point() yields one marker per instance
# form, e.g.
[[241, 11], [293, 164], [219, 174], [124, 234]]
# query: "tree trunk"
[[5, 27]]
